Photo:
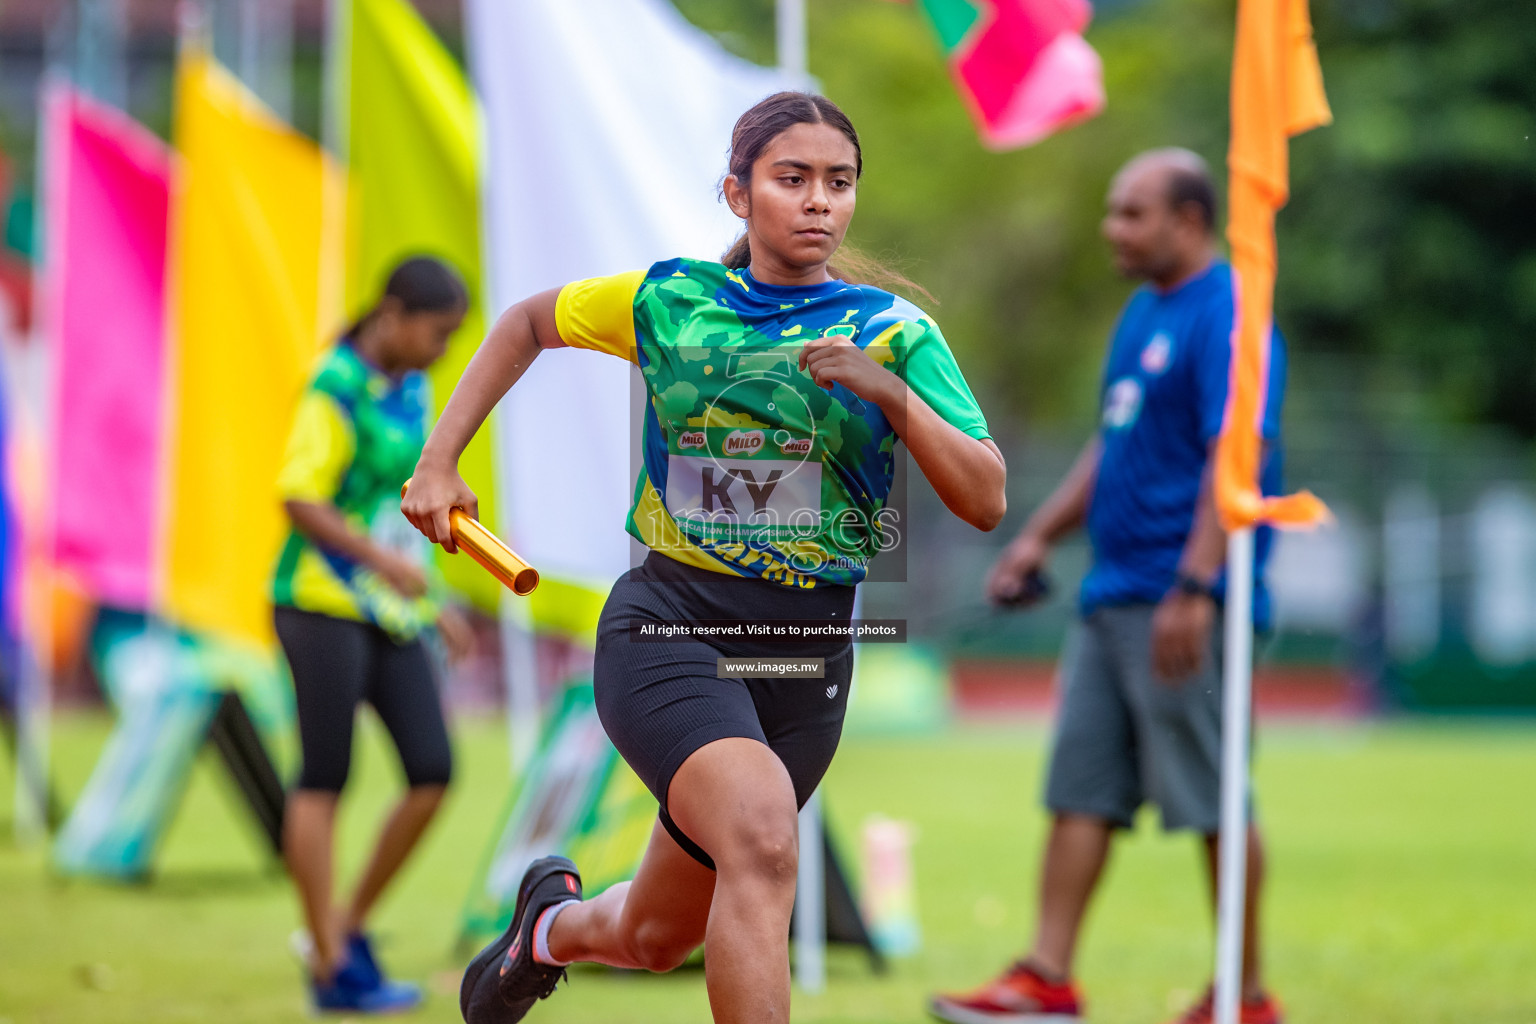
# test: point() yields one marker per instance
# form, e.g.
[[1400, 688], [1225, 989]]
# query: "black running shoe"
[[504, 981]]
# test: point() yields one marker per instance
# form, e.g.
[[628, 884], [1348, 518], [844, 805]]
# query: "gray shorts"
[[1124, 737]]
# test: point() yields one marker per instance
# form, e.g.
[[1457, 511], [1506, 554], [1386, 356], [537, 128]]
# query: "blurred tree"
[[1408, 244], [1410, 237], [1007, 242], [1408, 241]]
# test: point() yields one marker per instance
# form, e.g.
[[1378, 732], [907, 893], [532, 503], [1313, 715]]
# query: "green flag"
[[410, 131], [576, 797]]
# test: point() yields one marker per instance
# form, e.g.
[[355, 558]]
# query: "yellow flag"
[[413, 155], [247, 322]]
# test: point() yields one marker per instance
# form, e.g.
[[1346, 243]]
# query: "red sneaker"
[[1266, 1010], [1020, 996]]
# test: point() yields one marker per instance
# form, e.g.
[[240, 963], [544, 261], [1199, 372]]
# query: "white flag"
[[608, 125]]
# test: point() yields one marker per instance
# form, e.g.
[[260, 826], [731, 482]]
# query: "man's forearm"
[[1067, 507], [1205, 552]]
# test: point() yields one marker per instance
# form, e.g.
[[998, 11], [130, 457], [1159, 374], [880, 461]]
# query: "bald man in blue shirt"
[[1140, 717]]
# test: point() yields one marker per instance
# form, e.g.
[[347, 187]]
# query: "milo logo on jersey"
[[798, 446], [742, 443], [747, 443], [740, 482]]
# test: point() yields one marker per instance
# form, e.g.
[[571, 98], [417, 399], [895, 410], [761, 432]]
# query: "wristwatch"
[[1194, 586]]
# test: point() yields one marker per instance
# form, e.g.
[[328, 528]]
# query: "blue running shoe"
[[352, 990], [360, 955]]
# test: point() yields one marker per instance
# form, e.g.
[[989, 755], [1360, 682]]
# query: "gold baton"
[[486, 548]]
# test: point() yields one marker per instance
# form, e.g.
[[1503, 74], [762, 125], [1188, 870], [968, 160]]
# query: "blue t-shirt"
[[1161, 405]]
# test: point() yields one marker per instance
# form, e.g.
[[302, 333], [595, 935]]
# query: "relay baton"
[[486, 548]]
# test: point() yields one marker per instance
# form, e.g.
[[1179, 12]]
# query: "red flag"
[[1021, 65]]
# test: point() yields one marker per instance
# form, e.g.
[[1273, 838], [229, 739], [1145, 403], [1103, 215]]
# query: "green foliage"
[[1408, 245], [1407, 242], [1410, 237], [1007, 242]]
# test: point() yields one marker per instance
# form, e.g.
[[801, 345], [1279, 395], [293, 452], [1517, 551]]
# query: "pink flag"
[[103, 313], [1021, 65]]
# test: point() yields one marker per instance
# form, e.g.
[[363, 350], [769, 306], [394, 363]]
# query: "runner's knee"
[[659, 946], [762, 844]]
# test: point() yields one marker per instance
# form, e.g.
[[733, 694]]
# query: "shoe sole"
[[961, 1015], [497, 950]]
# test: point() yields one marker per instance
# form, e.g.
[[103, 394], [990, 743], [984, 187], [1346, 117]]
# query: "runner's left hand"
[[837, 360]]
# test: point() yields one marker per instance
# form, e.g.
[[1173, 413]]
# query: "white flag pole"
[[811, 902], [1237, 693], [811, 884], [791, 36], [520, 671], [34, 661]]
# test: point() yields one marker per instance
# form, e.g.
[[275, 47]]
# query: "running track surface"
[[984, 688]]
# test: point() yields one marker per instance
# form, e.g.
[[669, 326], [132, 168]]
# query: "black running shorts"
[[661, 700], [337, 664]]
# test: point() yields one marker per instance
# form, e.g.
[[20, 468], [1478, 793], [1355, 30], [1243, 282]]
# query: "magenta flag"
[[107, 195], [1022, 66]]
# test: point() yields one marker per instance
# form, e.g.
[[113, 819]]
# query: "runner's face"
[[1140, 223], [802, 195]]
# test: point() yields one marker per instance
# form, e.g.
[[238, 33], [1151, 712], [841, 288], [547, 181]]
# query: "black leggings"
[[337, 664], [660, 701]]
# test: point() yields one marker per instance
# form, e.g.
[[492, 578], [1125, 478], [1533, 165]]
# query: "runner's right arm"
[[505, 355]]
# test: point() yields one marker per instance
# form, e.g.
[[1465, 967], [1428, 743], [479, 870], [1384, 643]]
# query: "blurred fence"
[[1423, 591]]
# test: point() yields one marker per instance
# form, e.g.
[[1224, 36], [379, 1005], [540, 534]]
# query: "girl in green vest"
[[352, 599]]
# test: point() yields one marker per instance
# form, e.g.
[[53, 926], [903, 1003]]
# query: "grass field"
[[1403, 889]]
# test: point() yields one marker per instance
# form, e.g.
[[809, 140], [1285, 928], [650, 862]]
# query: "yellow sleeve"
[[321, 445], [599, 313]]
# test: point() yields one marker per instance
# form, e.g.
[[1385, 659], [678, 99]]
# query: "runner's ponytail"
[[739, 255]]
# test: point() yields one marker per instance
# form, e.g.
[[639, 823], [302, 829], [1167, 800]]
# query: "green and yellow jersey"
[[356, 436], [749, 467]]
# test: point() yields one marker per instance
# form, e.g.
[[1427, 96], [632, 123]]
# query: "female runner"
[[776, 393], [350, 603]]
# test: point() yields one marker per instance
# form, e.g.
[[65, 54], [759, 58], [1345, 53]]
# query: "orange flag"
[[1277, 92]]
